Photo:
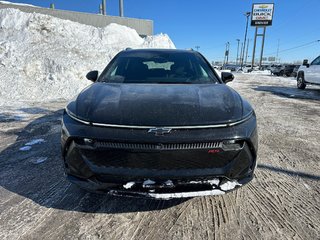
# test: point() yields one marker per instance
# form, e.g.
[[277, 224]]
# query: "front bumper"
[[162, 190], [106, 168]]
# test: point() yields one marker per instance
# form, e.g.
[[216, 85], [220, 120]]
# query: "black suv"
[[284, 70]]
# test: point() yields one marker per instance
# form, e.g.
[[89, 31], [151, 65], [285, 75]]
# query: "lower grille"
[[166, 146], [161, 160]]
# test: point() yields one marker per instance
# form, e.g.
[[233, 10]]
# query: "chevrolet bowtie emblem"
[[159, 131]]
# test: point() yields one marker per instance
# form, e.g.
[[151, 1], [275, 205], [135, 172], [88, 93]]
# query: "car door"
[[312, 73]]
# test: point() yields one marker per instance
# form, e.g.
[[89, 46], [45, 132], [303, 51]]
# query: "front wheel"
[[300, 81]]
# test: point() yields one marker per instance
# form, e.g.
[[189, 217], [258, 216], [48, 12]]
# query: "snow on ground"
[[282, 201], [264, 78], [46, 58], [260, 72]]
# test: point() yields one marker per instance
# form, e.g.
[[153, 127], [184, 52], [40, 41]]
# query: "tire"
[[301, 84]]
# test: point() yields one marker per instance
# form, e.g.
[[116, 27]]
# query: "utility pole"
[[278, 50], [247, 15], [121, 8], [226, 54], [104, 7], [247, 51], [228, 51], [197, 47], [238, 40], [241, 52]]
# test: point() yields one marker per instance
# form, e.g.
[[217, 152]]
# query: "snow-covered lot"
[[282, 202]]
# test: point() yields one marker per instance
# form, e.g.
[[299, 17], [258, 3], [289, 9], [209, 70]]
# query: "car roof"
[[155, 50]]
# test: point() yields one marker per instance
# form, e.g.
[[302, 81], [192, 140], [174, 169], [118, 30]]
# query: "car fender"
[[301, 68]]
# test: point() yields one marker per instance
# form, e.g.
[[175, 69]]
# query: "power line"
[[293, 48]]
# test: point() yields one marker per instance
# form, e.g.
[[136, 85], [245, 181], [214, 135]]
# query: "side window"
[[203, 72], [316, 61], [113, 73]]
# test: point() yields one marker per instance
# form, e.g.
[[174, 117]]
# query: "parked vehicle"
[[217, 67], [309, 73], [231, 67], [274, 69], [277, 70], [295, 71], [288, 70], [265, 67], [248, 68], [160, 124]]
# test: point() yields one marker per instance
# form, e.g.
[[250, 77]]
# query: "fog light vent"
[[232, 145]]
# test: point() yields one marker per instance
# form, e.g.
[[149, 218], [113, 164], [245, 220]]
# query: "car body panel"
[[159, 105]]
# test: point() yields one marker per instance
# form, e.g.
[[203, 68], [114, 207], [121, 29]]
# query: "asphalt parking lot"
[[282, 202]]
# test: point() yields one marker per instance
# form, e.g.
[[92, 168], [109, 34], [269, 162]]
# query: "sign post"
[[261, 17]]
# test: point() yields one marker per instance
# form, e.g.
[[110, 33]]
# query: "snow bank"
[[18, 4], [46, 58]]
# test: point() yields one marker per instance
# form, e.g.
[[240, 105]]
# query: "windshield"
[[158, 67]]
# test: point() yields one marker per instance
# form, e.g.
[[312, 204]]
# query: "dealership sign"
[[262, 14]]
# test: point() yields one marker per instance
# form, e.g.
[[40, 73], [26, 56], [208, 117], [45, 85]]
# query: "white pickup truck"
[[309, 73]]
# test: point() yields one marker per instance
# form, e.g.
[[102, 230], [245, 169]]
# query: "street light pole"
[[104, 7], [278, 50], [121, 8], [247, 15], [228, 51], [237, 51], [241, 54], [247, 52]]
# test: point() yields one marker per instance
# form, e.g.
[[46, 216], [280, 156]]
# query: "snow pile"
[[18, 4], [46, 58], [157, 41]]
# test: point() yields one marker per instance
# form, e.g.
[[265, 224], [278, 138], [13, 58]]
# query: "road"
[[282, 202]]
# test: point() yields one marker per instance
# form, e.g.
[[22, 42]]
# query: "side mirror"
[[305, 63], [92, 76], [227, 77]]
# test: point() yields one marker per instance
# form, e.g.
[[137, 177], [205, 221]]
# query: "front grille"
[[166, 146], [158, 156]]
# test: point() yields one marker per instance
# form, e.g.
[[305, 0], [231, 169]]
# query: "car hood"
[[158, 104]]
